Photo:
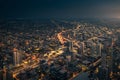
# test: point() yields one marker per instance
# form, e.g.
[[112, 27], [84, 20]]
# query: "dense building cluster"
[[59, 50]]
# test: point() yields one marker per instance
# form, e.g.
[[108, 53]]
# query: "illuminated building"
[[69, 51], [16, 57], [4, 74], [83, 45]]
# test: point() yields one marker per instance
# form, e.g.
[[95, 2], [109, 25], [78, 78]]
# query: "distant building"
[[98, 49], [93, 49], [83, 46], [81, 49]]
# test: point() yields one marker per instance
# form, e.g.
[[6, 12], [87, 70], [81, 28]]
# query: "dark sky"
[[12, 9]]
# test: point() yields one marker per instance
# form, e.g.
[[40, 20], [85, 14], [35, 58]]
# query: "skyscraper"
[[4, 73], [93, 49], [81, 49], [83, 45], [16, 57], [98, 49], [69, 51], [71, 46]]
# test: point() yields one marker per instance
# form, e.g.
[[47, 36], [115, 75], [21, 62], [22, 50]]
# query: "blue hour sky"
[[12, 9]]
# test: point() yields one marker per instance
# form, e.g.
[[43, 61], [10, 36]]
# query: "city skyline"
[[59, 50]]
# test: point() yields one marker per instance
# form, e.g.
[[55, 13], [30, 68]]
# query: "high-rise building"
[[110, 56], [93, 49], [71, 46], [83, 46], [69, 51], [4, 74], [98, 49], [16, 57], [81, 49]]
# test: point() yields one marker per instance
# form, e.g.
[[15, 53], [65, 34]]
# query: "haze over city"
[[35, 9]]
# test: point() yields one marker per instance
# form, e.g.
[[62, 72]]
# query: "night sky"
[[13, 9]]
